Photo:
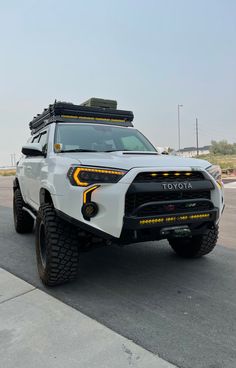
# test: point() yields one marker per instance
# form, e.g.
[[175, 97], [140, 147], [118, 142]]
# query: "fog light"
[[89, 210]]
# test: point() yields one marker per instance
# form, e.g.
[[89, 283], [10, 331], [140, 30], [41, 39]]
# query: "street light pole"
[[179, 124], [197, 137]]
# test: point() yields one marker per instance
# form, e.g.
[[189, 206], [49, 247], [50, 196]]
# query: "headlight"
[[215, 172], [84, 176]]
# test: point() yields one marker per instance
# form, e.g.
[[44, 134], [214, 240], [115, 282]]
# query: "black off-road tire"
[[56, 247], [196, 246], [24, 223]]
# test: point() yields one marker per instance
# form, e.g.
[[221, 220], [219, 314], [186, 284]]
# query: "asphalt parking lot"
[[183, 310]]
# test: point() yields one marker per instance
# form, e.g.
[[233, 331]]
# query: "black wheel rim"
[[42, 245]]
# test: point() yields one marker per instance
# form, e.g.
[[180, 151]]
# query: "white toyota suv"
[[89, 178]]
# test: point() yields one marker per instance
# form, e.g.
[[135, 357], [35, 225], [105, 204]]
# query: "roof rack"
[[68, 112]]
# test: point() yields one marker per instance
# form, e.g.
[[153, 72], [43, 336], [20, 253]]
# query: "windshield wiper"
[[78, 150], [116, 150], [136, 152]]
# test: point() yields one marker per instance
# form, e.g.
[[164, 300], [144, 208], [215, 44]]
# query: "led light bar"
[[172, 219]]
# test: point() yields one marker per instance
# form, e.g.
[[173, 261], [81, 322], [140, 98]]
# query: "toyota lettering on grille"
[[177, 186]]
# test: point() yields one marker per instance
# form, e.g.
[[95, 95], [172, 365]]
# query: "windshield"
[[100, 138]]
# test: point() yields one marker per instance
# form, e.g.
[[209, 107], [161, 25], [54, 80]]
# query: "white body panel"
[[51, 173]]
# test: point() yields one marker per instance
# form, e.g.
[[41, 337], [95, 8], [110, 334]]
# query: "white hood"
[[127, 161]]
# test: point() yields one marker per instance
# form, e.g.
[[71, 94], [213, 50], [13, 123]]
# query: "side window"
[[43, 140]]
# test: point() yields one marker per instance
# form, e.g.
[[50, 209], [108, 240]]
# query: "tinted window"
[[100, 138], [133, 143]]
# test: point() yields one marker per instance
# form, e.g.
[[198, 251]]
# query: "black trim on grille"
[[170, 207], [171, 187], [134, 199], [168, 176]]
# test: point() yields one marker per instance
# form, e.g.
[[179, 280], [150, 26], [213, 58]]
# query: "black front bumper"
[[137, 223]]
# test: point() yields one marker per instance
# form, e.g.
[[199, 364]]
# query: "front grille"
[[168, 176], [170, 208], [134, 200]]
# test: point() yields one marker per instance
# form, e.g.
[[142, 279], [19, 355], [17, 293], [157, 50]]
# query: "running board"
[[30, 212]]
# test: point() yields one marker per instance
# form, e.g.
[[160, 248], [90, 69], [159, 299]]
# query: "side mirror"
[[32, 149]]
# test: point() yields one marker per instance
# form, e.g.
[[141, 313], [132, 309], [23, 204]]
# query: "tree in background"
[[223, 148]]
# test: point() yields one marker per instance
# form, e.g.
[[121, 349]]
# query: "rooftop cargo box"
[[100, 102]]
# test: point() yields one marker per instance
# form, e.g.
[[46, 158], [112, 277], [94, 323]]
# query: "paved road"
[[185, 311]]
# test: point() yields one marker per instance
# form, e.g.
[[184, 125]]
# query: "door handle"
[[28, 168]]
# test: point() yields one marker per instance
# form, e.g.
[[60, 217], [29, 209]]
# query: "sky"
[[148, 55]]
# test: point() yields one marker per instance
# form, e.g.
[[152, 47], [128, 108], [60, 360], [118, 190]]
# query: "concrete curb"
[[37, 329]]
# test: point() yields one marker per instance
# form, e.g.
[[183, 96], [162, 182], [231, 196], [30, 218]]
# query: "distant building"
[[192, 151]]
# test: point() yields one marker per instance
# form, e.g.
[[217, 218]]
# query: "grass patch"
[[225, 161], [7, 172]]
